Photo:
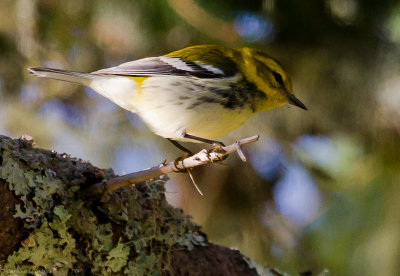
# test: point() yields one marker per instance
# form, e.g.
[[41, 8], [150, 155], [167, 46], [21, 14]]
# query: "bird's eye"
[[278, 78]]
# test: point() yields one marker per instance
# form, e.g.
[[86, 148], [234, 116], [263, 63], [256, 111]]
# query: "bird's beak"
[[294, 101]]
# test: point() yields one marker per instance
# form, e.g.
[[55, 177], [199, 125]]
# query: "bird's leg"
[[185, 150], [217, 144], [204, 140], [179, 146], [187, 154]]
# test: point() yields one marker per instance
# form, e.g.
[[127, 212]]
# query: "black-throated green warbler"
[[196, 94]]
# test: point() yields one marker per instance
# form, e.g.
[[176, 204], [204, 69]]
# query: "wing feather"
[[163, 66]]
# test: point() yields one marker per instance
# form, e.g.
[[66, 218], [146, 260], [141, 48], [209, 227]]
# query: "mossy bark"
[[49, 226]]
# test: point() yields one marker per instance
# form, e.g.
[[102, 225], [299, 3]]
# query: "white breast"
[[175, 105]]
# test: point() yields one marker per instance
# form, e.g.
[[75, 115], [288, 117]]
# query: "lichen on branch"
[[133, 230], [57, 229]]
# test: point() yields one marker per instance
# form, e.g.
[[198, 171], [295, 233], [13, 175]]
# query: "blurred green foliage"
[[343, 58]]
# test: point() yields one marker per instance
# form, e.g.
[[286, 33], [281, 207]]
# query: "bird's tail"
[[63, 75]]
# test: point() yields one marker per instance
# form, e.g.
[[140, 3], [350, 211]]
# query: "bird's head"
[[270, 78]]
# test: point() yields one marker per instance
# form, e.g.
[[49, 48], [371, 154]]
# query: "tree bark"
[[48, 223]]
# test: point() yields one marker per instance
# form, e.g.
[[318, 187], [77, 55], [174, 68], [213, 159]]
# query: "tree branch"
[[201, 158], [131, 231]]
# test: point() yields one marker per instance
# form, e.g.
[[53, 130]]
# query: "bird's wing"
[[165, 66]]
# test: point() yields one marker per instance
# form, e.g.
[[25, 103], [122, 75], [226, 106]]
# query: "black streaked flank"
[[238, 96]]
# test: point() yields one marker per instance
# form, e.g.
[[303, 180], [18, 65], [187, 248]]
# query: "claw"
[[218, 144], [176, 162], [218, 149]]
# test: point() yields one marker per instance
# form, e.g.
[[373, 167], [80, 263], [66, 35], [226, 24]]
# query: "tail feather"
[[121, 90], [63, 75]]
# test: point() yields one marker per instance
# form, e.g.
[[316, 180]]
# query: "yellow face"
[[270, 78]]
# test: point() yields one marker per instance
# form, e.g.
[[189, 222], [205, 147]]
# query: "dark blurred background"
[[321, 188]]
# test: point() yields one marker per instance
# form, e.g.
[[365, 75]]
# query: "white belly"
[[172, 106], [208, 121]]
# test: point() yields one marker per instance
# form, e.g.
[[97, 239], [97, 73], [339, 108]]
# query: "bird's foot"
[[179, 159], [218, 148]]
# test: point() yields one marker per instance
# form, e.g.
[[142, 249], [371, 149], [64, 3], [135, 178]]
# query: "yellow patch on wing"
[[139, 81]]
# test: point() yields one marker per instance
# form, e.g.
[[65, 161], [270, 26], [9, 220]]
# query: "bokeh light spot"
[[253, 28], [296, 196], [267, 159], [343, 11]]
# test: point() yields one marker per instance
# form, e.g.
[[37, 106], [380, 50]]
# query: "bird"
[[196, 94]]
